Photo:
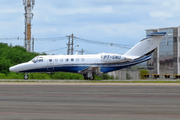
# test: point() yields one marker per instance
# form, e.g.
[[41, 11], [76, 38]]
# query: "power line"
[[84, 51], [55, 49], [59, 51], [51, 39], [13, 38], [55, 39], [70, 44], [103, 43], [37, 39]]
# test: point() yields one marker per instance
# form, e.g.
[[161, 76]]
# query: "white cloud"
[[7, 11], [161, 14], [81, 10], [168, 9]]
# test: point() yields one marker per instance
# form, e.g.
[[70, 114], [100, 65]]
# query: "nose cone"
[[16, 68], [19, 68], [13, 69]]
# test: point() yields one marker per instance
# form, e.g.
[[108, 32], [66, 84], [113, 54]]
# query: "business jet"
[[90, 65]]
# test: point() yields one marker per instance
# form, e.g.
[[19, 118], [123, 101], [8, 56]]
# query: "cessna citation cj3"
[[90, 65]]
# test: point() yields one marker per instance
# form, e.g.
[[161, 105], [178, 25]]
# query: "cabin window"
[[77, 59], [67, 60], [56, 60], [82, 59], [72, 59], [61, 60], [37, 59], [40, 60], [50, 60]]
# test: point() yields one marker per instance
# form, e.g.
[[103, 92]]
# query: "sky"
[[111, 21]]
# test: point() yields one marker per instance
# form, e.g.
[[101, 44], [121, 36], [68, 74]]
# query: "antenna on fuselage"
[[76, 52]]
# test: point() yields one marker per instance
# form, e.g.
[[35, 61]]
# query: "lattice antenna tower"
[[28, 6]]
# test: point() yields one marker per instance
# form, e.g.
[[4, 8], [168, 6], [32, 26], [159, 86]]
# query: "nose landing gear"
[[26, 76]]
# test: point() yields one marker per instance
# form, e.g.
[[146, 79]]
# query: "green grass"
[[51, 76]]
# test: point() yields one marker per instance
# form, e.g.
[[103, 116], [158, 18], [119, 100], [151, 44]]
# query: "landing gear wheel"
[[85, 77], [91, 78], [26, 77]]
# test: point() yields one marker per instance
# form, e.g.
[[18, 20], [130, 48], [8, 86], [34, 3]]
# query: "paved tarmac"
[[89, 102]]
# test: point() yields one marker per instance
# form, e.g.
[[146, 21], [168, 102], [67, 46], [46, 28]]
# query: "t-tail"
[[146, 46]]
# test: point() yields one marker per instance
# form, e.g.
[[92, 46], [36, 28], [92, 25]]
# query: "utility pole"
[[72, 43], [82, 52], [28, 6], [33, 44], [68, 51]]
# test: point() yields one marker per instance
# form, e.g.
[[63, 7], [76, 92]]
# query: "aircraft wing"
[[93, 70]]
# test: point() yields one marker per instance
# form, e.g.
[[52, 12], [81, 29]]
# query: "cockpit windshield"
[[34, 59], [37, 59]]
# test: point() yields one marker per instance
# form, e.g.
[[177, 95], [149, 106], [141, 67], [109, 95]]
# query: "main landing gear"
[[88, 78], [26, 76]]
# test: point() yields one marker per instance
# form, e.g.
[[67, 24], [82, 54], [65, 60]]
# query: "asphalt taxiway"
[[89, 101]]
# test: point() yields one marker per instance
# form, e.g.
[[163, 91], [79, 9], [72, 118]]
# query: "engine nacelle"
[[105, 57]]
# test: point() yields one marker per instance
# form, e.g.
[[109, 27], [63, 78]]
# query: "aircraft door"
[[50, 64]]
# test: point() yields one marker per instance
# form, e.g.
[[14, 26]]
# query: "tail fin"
[[147, 45]]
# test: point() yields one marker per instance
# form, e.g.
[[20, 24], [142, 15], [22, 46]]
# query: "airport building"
[[166, 58]]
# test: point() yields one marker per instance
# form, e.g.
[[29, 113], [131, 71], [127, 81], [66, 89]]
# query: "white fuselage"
[[75, 63]]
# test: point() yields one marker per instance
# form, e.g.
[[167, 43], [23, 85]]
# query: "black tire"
[[85, 77]]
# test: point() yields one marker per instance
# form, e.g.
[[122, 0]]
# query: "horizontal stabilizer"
[[157, 34]]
